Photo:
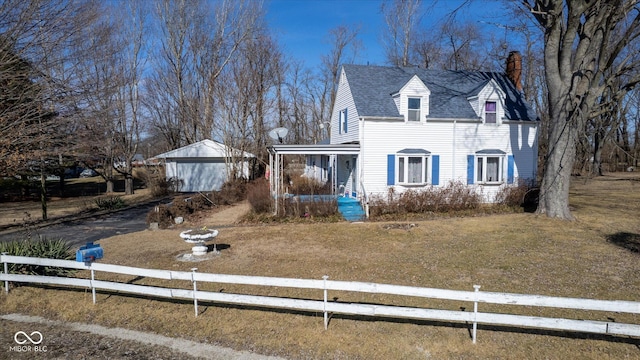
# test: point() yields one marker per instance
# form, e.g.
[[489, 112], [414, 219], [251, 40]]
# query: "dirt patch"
[[221, 216]]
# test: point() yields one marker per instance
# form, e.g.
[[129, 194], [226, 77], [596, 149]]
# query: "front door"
[[347, 180]]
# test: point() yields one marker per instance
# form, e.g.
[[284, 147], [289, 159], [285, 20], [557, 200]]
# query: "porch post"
[[276, 175]]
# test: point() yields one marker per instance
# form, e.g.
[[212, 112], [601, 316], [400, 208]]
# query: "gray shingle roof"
[[372, 86]]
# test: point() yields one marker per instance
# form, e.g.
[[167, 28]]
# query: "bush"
[[181, 206], [155, 180], [42, 248], [231, 192], [259, 196], [456, 196], [303, 185], [161, 214], [110, 203], [516, 196], [294, 207]]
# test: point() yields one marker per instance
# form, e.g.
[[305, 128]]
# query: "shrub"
[[455, 196], [516, 196], [303, 185], [187, 205], [154, 179], [110, 203], [231, 192], [42, 248], [259, 196], [294, 207], [162, 215]]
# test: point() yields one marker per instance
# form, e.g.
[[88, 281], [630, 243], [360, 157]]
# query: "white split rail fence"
[[327, 307]]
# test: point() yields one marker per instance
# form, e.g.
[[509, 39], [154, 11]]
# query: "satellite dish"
[[278, 133]]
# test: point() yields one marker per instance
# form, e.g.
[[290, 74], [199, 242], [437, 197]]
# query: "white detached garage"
[[204, 166]]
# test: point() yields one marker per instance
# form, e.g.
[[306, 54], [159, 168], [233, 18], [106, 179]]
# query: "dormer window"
[[414, 109], [490, 112]]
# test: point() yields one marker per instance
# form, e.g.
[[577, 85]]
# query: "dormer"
[[488, 103], [412, 100]]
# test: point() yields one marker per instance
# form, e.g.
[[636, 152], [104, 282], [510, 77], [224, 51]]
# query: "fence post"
[[326, 317], [475, 313], [195, 288], [93, 289], [6, 272]]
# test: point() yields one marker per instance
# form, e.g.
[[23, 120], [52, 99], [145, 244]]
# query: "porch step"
[[350, 209]]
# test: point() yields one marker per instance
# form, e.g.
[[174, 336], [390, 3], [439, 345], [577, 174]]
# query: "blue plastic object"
[[89, 253]]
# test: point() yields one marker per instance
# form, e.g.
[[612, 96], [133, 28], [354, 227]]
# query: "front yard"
[[595, 256]]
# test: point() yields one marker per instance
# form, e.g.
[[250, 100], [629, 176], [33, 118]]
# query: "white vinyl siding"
[[416, 90], [344, 101], [388, 137]]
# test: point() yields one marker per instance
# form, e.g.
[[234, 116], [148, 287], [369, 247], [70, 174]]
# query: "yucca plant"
[[110, 203], [42, 248]]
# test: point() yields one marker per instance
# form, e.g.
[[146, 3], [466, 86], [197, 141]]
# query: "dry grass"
[[521, 253]]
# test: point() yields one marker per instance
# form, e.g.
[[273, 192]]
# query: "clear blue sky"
[[301, 26]]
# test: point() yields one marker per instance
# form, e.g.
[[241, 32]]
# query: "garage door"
[[205, 175]]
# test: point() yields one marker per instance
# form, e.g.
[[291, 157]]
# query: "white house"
[[204, 166], [410, 128]]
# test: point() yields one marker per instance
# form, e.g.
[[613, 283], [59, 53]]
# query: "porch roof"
[[318, 149]]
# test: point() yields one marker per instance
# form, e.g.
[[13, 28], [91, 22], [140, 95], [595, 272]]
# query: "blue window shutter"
[[470, 163], [435, 170], [510, 166], [391, 169]]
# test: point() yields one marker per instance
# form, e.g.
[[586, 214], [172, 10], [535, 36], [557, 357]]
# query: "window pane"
[[490, 112], [414, 109], [493, 172], [414, 115], [480, 173], [401, 169], [415, 170]]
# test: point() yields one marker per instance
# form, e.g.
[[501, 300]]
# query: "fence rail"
[[326, 307]]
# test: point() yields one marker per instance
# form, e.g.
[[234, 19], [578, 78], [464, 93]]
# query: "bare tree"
[[128, 115], [37, 64], [199, 39], [585, 50], [402, 18], [321, 90], [462, 42], [248, 99]]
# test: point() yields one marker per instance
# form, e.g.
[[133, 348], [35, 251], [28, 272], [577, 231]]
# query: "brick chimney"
[[514, 69]]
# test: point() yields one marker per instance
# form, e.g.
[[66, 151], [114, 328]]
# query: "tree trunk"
[[559, 161], [43, 191], [109, 186], [128, 181], [598, 140]]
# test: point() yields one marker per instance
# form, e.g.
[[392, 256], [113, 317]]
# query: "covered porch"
[[334, 164]]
